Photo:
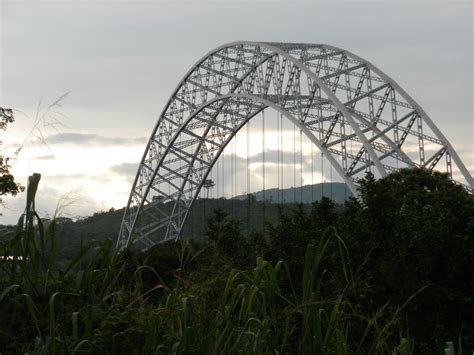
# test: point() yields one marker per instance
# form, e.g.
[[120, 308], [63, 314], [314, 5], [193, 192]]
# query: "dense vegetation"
[[252, 212], [388, 273]]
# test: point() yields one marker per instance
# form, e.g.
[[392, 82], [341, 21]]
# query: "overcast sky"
[[120, 61]]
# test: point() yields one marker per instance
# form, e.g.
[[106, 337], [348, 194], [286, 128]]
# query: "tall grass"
[[103, 301], [38, 290]]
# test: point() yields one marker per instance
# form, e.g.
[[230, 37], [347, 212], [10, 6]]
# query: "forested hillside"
[[387, 273], [252, 213]]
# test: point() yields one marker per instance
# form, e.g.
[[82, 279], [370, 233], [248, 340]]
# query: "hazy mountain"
[[338, 192]]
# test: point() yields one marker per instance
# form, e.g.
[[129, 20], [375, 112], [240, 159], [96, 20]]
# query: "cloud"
[[91, 139], [275, 156], [125, 169], [45, 157], [50, 200]]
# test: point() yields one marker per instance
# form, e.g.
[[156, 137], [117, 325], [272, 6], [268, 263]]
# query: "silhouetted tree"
[[225, 233], [8, 186], [415, 229], [208, 184]]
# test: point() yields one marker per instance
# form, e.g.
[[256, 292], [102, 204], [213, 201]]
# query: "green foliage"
[[411, 230], [377, 286], [290, 236], [223, 231], [6, 117], [8, 186]]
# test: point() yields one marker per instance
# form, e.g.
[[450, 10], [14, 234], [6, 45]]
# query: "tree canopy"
[[8, 185]]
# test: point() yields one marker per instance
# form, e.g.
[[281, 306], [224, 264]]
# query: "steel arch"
[[236, 81]]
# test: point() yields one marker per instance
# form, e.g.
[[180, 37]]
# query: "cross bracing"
[[333, 96]]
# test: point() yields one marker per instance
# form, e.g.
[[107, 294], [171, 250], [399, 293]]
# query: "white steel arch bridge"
[[333, 96]]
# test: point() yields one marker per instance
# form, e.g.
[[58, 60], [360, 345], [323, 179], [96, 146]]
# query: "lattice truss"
[[336, 98]]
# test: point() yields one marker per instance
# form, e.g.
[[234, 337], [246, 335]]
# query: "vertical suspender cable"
[[235, 168], [345, 192], [223, 173], [169, 192], [322, 175], [281, 160], [263, 167], [218, 171], [206, 202], [278, 157], [294, 163], [312, 172], [178, 195], [345, 185], [232, 173], [223, 176], [330, 172], [301, 166], [248, 178]]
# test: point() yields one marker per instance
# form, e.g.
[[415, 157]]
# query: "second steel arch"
[[303, 81]]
